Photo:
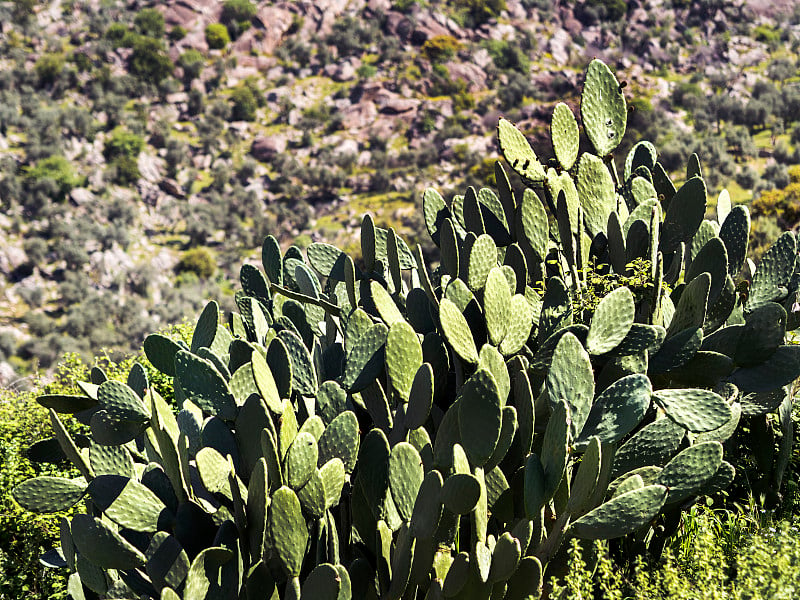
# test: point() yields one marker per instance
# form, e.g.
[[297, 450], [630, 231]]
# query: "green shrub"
[[59, 170], [440, 48], [244, 104], [507, 55], [237, 16], [49, 68], [177, 33], [116, 32], [149, 60], [198, 261], [192, 63], [480, 11], [149, 22], [125, 170], [122, 143], [217, 36]]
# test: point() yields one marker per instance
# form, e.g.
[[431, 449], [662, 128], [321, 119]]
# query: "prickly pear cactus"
[[383, 429]]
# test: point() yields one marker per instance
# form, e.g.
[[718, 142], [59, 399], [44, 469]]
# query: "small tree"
[[149, 61], [236, 15], [244, 104], [149, 22], [217, 36]]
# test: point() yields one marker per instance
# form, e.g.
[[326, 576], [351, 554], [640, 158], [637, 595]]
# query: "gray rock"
[[266, 148]]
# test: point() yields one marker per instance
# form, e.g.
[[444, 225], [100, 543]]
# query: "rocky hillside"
[[146, 148]]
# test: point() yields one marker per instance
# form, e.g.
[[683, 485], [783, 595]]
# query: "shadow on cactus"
[[384, 430]]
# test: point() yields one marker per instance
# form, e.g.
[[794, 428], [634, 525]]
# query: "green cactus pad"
[[621, 515], [603, 109], [386, 307], [684, 215], [764, 331], [160, 351], [571, 379], [773, 272], [554, 448], [762, 403], [618, 410], [480, 416], [323, 583], [585, 480], [111, 460], [596, 192], [102, 546], [340, 440], [366, 359], [312, 495], [62, 403], [565, 135], [520, 323], [735, 234], [457, 331], [128, 503], [265, 383], [332, 475], [373, 465], [526, 582], [695, 409], [653, 444], [167, 562], [611, 322], [435, 211], [534, 486], [518, 153], [535, 224], [201, 383], [211, 573], [713, 259], [508, 431], [427, 508], [288, 532], [780, 369], [505, 558], [49, 494], [676, 350], [405, 477], [420, 399], [689, 471], [121, 402], [304, 376], [691, 308], [403, 357], [496, 300], [460, 493], [301, 460], [482, 257]]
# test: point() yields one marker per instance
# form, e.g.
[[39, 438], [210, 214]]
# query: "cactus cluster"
[[384, 430]]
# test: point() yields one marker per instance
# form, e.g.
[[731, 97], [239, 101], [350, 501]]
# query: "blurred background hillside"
[[146, 148]]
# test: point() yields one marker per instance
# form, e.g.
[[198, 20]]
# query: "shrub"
[[49, 68], [192, 63], [149, 61], [480, 11], [198, 261], [440, 48], [116, 32], [217, 36], [59, 170], [347, 417], [507, 55], [149, 22], [122, 143], [237, 16], [244, 104], [177, 33]]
